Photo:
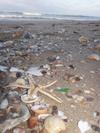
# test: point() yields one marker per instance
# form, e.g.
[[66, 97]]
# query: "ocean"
[[31, 16]]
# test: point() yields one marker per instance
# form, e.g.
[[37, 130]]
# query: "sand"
[[60, 39]]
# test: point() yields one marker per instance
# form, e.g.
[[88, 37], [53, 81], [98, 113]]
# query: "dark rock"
[[51, 59], [27, 36], [95, 128], [18, 74]]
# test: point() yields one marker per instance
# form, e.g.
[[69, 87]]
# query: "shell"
[[54, 124], [26, 99], [20, 81], [40, 108], [83, 40], [94, 57]]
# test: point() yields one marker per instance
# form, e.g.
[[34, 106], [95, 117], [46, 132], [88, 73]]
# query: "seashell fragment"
[[83, 40], [94, 57]]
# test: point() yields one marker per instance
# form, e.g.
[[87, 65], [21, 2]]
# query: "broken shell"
[[27, 99], [43, 116], [20, 81], [14, 122], [32, 122], [4, 104], [54, 124], [40, 108], [19, 130], [94, 57], [83, 40]]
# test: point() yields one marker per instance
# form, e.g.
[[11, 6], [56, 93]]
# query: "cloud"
[[86, 7]]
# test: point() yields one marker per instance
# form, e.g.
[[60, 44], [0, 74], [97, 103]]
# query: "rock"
[[27, 36], [97, 47], [94, 57], [4, 104], [8, 43], [84, 40], [95, 128], [51, 59], [54, 124], [9, 35], [84, 126]]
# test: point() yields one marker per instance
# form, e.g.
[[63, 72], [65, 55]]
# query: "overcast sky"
[[69, 7]]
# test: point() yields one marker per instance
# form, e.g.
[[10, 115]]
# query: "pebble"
[[97, 47]]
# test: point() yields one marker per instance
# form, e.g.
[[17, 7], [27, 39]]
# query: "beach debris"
[[84, 126], [36, 71], [54, 124], [4, 104], [84, 40], [94, 57], [97, 47], [63, 90], [3, 68], [19, 130]]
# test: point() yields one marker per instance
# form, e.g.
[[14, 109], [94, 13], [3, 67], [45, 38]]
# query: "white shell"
[[54, 124], [84, 126]]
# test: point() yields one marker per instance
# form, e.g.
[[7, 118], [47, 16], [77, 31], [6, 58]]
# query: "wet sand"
[[56, 43]]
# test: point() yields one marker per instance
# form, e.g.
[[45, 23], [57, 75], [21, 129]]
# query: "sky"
[[68, 7]]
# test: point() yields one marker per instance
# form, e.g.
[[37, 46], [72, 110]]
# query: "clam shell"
[[11, 123]]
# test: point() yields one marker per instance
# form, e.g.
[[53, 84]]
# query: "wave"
[[35, 15]]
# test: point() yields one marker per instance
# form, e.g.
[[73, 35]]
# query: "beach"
[[56, 46]]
